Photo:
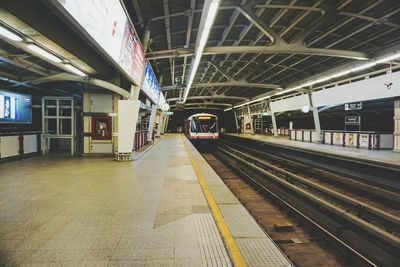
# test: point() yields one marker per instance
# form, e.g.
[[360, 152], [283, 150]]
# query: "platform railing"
[[368, 140], [140, 140]]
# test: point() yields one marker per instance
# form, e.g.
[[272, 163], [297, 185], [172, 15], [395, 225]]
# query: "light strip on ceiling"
[[44, 53], [212, 11], [384, 59], [9, 34], [74, 70]]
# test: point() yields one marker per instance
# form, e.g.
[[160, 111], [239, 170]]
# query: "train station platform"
[[378, 156], [168, 208]]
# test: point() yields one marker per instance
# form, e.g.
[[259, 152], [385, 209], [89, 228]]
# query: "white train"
[[202, 127]]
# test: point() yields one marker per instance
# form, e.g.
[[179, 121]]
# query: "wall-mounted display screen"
[[150, 84], [15, 108], [106, 22]]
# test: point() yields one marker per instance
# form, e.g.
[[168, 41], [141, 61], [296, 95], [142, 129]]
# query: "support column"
[[160, 122], [236, 120], [275, 128], [396, 133], [151, 123], [166, 124], [250, 119], [316, 121]]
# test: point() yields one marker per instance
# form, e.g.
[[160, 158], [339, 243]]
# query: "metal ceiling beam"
[[187, 44], [225, 34], [168, 31], [230, 84], [218, 68], [284, 48], [139, 14], [306, 8], [24, 64], [364, 10], [384, 20], [89, 80], [199, 107], [260, 24], [211, 97], [206, 104]]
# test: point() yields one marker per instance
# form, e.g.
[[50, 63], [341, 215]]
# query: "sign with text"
[[150, 84], [352, 120], [107, 24], [353, 106]]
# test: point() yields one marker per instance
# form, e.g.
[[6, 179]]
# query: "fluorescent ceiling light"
[[9, 34], [74, 70], [209, 20], [227, 109], [44, 53]]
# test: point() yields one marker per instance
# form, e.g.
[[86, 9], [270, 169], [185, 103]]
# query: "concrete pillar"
[[166, 124], [317, 125], [159, 124], [316, 121], [151, 123], [250, 119], [274, 126], [396, 133], [236, 121]]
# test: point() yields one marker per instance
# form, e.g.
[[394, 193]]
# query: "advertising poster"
[[106, 22], [351, 139], [150, 85], [364, 140], [15, 108]]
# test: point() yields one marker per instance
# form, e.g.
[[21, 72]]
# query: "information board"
[[352, 120], [150, 84], [353, 106], [106, 22], [15, 108]]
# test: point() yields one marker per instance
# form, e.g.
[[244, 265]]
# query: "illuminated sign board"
[[353, 106], [15, 108], [150, 85], [107, 24]]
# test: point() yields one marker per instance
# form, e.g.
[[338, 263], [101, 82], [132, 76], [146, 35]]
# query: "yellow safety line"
[[230, 242]]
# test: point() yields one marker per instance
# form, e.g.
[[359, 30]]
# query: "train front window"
[[204, 124]]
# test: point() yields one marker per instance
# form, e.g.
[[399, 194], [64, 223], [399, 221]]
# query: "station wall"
[[100, 123]]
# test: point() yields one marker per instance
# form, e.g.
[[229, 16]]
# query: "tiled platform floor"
[[386, 156], [58, 211]]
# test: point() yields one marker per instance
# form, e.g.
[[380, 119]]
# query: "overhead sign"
[[353, 106], [169, 113], [150, 85], [352, 120], [106, 22]]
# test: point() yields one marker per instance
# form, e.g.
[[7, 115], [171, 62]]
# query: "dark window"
[[204, 124]]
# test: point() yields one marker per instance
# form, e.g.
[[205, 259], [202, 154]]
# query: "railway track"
[[348, 214]]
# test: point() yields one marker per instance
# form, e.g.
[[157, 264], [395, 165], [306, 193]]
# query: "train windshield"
[[204, 124]]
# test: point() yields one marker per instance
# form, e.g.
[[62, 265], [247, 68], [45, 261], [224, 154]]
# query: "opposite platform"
[[380, 156]]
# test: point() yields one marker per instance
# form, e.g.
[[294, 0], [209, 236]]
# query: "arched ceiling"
[[256, 47]]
